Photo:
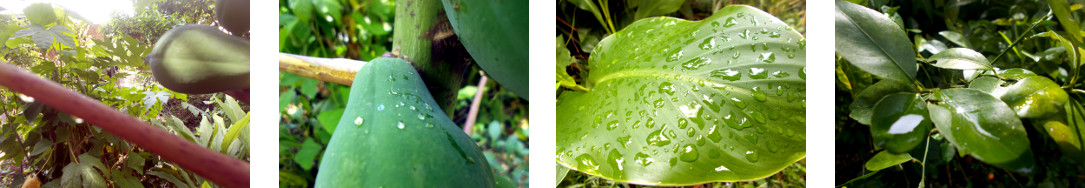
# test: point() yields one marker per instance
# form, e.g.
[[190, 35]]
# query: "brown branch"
[[218, 168], [336, 70], [472, 115]]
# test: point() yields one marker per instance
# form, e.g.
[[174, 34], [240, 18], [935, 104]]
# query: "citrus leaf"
[[678, 102], [900, 122], [863, 106], [982, 126], [961, 59], [1028, 94], [874, 43]]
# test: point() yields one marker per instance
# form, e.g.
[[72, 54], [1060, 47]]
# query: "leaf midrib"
[[670, 76]]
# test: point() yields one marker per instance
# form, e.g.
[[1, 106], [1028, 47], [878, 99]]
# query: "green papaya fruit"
[[393, 134], [233, 15], [495, 34], [199, 59]]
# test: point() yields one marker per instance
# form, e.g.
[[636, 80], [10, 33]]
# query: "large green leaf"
[[981, 125], [863, 106], [1028, 94], [495, 33], [678, 102], [871, 41], [900, 122]]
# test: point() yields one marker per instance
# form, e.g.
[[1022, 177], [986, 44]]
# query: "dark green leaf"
[[863, 106], [306, 156], [1029, 95], [886, 159], [871, 41], [981, 125], [961, 59], [900, 122]]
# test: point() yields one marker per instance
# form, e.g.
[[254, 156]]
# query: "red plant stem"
[[472, 115], [218, 168]]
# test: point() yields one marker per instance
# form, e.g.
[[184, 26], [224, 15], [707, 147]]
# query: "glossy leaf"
[[961, 59], [495, 33], [1064, 136], [1029, 95], [647, 8], [871, 41], [885, 159], [900, 122], [863, 106], [678, 102], [982, 126]]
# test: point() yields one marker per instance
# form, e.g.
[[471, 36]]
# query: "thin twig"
[[216, 167], [472, 115]]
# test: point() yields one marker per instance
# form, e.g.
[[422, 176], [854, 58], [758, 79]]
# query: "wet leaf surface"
[[676, 102]]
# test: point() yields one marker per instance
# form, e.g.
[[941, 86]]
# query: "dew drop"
[[730, 22], [658, 103], [780, 74], [689, 153], [758, 94], [587, 163], [657, 138], [673, 162], [675, 56], [708, 43], [643, 159], [727, 74], [380, 107], [666, 87], [400, 125], [358, 121], [616, 159], [758, 73], [738, 103], [696, 63], [767, 57], [752, 156], [612, 125], [625, 141], [682, 123]]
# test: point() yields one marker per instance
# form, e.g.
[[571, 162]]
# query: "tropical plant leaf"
[[982, 126], [900, 122], [84, 173], [874, 43], [885, 159], [678, 102], [961, 59]]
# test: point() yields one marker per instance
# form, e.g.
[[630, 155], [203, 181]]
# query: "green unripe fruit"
[[198, 59], [233, 15], [393, 134]]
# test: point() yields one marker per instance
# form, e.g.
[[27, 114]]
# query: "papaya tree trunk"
[[414, 18]]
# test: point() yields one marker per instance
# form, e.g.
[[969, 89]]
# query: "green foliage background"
[[987, 27], [104, 62], [362, 30]]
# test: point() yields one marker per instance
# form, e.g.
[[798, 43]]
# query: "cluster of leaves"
[[106, 66], [353, 29], [586, 27], [310, 109], [990, 91]]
